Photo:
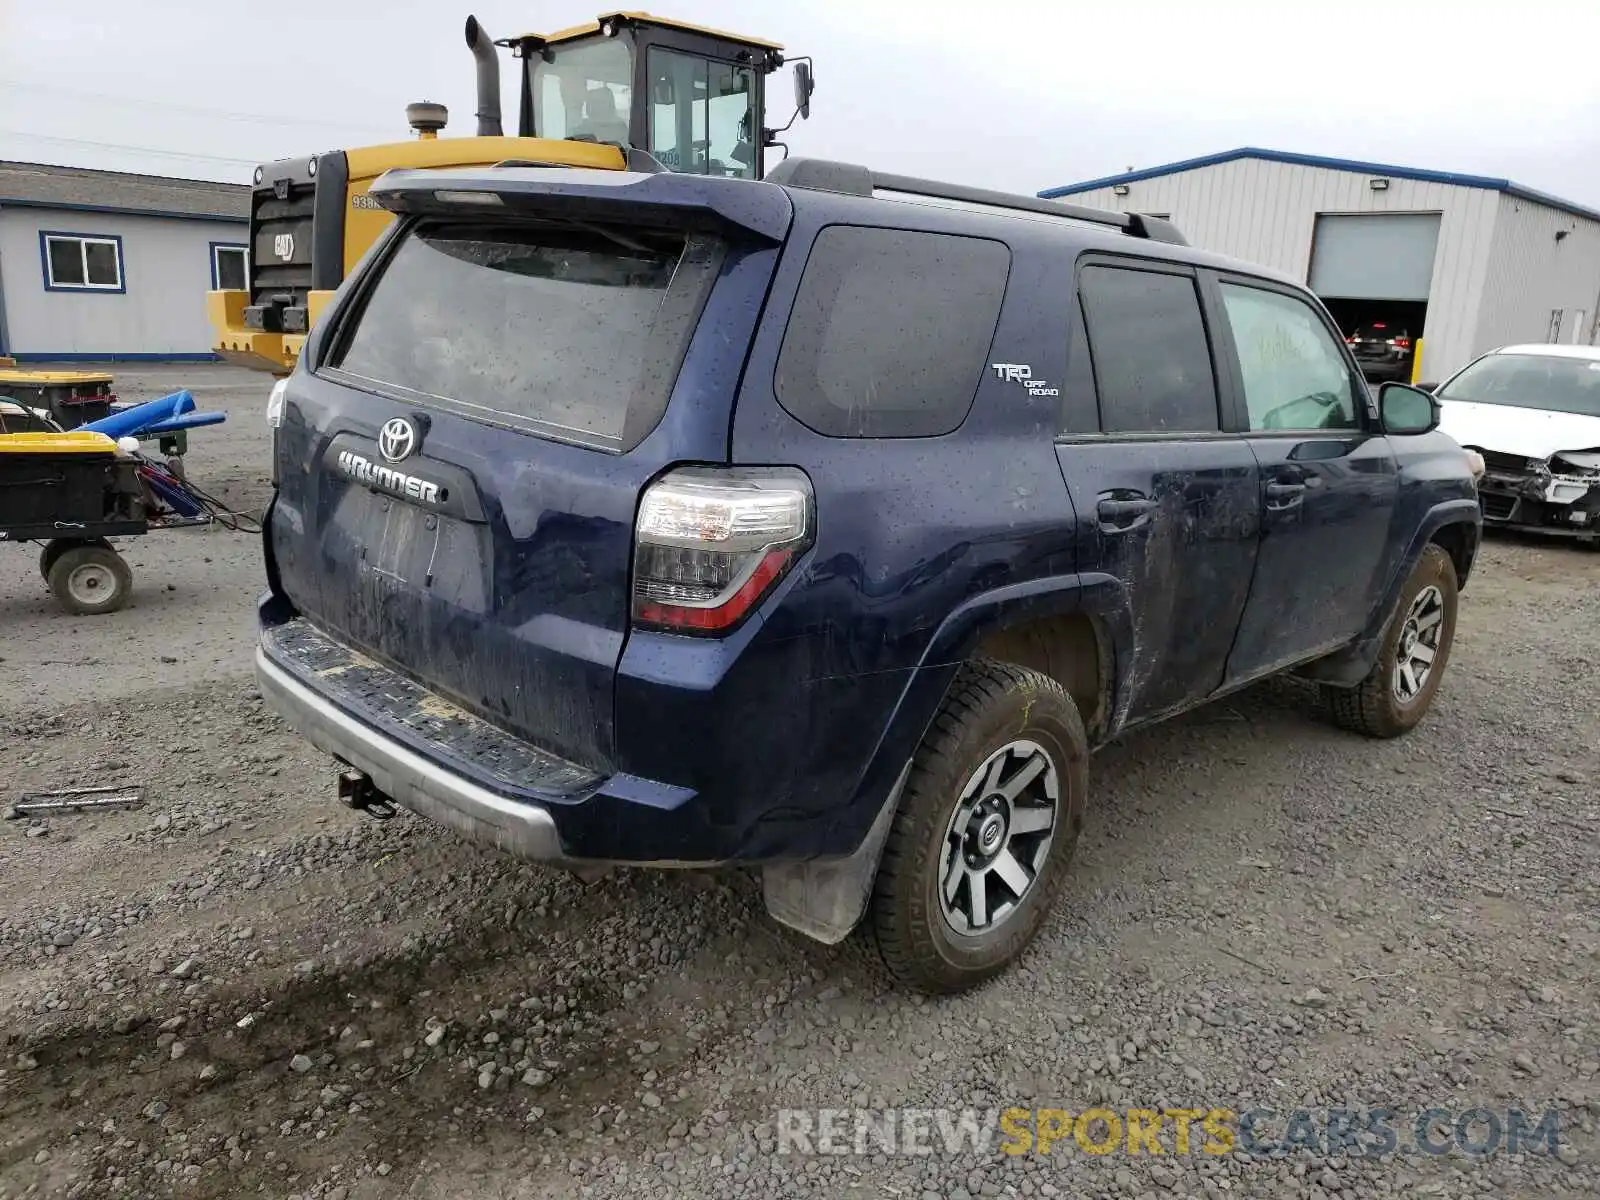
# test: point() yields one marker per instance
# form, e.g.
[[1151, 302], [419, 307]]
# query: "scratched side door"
[[1167, 499], [1329, 481]]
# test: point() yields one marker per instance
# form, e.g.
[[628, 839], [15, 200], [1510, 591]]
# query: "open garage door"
[[1374, 256]]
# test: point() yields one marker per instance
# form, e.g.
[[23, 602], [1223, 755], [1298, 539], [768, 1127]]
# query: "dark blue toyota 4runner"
[[825, 526]]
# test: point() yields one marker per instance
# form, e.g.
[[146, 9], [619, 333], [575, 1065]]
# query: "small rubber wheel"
[[89, 580], [1398, 691], [56, 547], [987, 823]]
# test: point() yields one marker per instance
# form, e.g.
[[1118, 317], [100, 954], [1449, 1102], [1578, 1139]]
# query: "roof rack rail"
[[822, 175]]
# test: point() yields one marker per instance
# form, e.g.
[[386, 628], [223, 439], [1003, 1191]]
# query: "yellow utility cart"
[[73, 491]]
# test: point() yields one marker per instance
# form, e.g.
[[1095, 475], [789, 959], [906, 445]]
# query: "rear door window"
[[1147, 343], [890, 331], [574, 335]]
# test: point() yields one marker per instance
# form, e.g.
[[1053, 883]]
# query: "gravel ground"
[[242, 989]]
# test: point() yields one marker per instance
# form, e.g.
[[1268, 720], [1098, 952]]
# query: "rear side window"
[[890, 331], [1147, 341], [575, 335]]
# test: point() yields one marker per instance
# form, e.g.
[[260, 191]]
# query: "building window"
[[81, 262], [230, 267]]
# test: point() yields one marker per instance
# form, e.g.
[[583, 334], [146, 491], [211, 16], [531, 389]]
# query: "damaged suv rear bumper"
[[406, 777], [443, 763]]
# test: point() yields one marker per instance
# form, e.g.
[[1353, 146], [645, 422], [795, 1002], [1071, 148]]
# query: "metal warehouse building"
[[101, 265], [1465, 262]]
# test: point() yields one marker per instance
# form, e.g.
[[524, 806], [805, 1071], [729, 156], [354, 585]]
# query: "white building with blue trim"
[[1463, 262], [114, 267]]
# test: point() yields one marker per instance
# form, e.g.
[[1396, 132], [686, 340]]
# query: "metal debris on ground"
[[75, 800]]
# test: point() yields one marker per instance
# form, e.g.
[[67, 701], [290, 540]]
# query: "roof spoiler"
[[664, 198]]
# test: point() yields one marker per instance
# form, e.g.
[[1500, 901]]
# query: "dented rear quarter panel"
[[908, 530]]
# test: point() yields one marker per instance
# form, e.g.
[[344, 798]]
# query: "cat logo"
[[283, 245]]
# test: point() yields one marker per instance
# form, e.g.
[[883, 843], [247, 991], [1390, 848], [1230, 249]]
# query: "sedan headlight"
[[1575, 462]]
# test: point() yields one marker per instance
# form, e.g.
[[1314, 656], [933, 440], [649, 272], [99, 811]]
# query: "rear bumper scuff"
[[412, 781]]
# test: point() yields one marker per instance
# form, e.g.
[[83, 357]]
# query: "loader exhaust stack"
[[482, 47]]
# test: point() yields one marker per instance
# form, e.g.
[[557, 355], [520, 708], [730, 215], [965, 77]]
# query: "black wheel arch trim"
[[1102, 597]]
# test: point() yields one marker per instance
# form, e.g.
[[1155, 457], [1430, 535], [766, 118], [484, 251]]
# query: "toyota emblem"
[[397, 439]]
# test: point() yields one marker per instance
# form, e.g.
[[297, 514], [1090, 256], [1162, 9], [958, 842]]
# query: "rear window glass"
[[571, 334], [1380, 333], [890, 331]]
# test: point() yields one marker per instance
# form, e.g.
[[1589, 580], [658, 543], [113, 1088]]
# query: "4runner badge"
[[1022, 373], [386, 479]]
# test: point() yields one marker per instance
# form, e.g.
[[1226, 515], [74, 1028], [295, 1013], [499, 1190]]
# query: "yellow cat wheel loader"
[[628, 90]]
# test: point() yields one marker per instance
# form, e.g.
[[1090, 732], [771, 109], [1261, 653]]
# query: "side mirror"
[[1407, 409], [1427, 387], [804, 85]]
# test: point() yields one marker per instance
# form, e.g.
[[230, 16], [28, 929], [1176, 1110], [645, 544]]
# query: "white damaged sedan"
[[1533, 413]]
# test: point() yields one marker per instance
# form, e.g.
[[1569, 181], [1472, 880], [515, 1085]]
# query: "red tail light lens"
[[711, 543], [1400, 343]]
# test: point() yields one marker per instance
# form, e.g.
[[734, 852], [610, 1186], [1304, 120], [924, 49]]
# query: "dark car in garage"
[[1382, 351]]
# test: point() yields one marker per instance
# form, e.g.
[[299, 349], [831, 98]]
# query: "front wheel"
[[1398, 691], [986, 826]]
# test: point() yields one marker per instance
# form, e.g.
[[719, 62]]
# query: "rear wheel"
[[90, 579], [986, 826], [1398, 691]]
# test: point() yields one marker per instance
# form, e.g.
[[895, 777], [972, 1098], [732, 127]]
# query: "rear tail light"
[[1400, 343], [711, 543]]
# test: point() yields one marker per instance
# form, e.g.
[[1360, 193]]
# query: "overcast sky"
[[1015, 94]]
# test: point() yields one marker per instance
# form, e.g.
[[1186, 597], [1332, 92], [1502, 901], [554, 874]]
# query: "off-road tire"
[[991, 704], [110, 593], [1371, 707]]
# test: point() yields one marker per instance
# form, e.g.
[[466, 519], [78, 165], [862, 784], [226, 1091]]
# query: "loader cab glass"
[[702, 114], [697, 113], [584, 89]]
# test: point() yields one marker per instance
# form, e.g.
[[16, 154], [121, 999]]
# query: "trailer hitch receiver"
[[356, 791]]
